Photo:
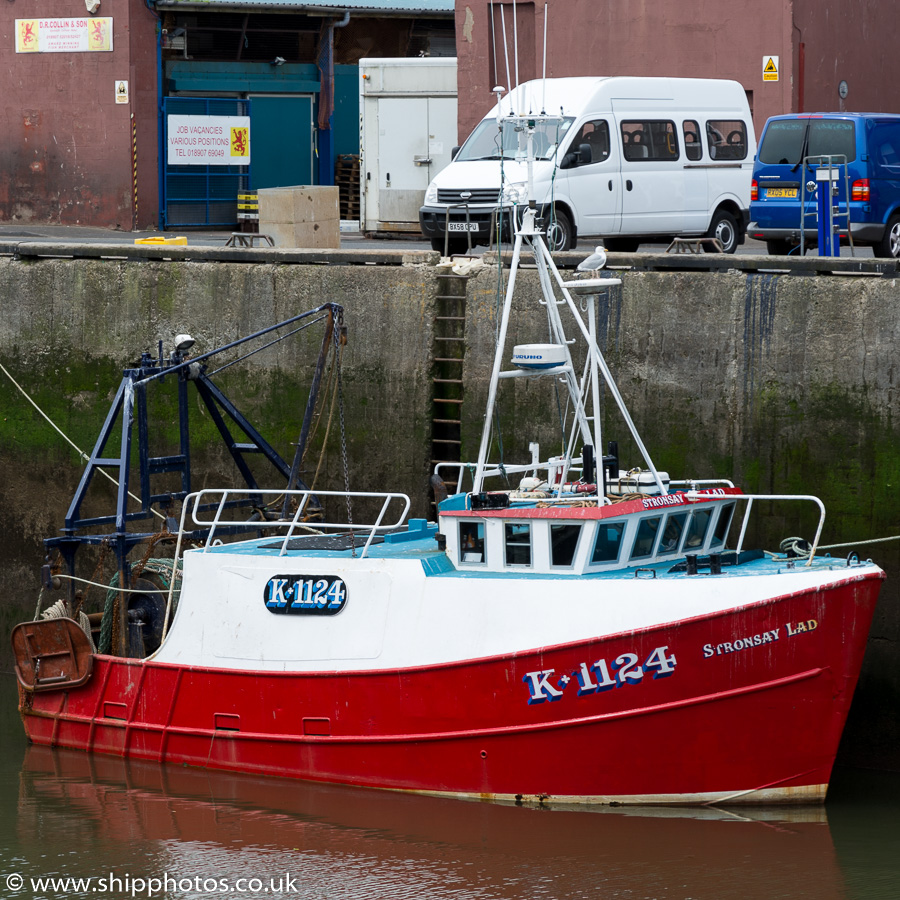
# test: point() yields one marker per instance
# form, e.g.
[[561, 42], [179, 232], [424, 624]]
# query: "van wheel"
[[621, 245], [779, 248], [560, 233], [889, 245], [724, 226], [455, 246]]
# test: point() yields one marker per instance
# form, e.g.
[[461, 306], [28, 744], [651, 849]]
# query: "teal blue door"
[[281, 140]]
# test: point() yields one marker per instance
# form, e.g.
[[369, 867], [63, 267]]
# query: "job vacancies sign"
[[208, 140], [64, 35]]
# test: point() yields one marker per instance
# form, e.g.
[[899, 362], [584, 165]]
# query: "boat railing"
[[692, 482], [750, 498], [218, 500], [496, 470]]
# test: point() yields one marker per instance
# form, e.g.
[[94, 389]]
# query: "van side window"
[[727, 139], [594, 135], [885, 140], [693, 149], [651, 140]]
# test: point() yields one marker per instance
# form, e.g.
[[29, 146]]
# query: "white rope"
[[107, 587], [895, 537], [793, 543], [74, 446]]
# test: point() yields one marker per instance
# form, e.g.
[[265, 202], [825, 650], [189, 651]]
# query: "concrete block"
[[305, 235], [301, 216]]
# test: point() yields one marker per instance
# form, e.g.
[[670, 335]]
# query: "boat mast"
[[595, 364]]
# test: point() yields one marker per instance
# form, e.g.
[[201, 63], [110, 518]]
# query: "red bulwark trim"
[[628, 507]]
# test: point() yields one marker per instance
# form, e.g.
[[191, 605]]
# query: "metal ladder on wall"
[[830, 175], [449, 360]]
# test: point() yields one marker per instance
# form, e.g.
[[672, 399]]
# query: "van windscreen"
[[832, 137], [785, 140], [484, 141]]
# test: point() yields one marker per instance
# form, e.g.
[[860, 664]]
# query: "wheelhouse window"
[[727, 139], [608, 542], [722, 525], [518, 544], [697, 529], [471, 542], [563, 544], [671, 536], [645, 538], [650, 139], [693, 148]]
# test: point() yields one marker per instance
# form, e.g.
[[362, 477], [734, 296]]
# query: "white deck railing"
[[219, 498], [749, 498]]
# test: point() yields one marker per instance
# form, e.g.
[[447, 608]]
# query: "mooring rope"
[[800, 547], [66, 438]]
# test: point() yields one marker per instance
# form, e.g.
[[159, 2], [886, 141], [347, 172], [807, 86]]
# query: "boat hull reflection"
[[376, 844]]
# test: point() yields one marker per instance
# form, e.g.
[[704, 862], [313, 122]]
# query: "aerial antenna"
[[544, 72], [498, 93], [494, 41], [505, 48], [516, 40]]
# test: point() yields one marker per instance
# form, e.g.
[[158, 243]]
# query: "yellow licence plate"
[[781, 192]]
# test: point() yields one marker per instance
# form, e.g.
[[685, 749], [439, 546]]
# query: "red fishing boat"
[[565, 631]]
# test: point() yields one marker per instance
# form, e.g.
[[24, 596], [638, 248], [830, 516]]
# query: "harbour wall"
[[783, 383]]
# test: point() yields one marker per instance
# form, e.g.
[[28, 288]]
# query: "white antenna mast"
[[516, 40], [544, 73], [494, 42], [505, 47]]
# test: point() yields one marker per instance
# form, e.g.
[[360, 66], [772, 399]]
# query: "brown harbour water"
[[142, 830]]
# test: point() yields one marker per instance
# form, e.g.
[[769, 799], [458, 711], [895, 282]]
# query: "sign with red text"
[[208, 140], [64, 35]]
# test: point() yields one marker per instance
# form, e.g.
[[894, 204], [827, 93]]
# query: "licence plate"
[[463, 226], [790, 193]]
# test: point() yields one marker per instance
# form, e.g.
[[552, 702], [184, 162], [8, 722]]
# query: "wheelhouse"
[[578, 541]]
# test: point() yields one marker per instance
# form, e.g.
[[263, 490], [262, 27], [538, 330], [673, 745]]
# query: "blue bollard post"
[[828, 245]]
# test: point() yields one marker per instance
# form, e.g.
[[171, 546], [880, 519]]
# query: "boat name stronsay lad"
[[756, 640], [626, 671], [317, 595], [664, 500]]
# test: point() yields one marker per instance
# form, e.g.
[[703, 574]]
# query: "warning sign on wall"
[[770, 68]]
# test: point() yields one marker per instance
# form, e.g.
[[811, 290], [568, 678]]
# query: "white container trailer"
[[407, 110]]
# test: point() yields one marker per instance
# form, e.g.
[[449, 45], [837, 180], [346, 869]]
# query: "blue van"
[[866, 147]]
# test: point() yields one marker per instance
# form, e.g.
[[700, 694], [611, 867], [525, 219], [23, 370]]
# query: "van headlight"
[[431, 193], [514, 193]]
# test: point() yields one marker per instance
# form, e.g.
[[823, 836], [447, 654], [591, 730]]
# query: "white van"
[[629, 160]]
